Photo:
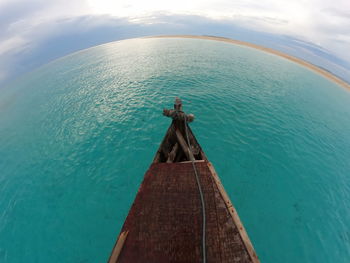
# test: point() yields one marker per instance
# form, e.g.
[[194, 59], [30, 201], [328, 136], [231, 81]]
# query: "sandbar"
[[301, 62]]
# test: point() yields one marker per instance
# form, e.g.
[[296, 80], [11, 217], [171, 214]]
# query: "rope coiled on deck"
[[204, 257]]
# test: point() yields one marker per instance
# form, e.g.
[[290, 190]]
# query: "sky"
[[34, 32]]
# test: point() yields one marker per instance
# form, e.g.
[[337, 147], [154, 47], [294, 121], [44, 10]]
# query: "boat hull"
[[165, 221]]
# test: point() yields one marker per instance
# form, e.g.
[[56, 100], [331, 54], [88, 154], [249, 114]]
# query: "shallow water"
[[77, 135]]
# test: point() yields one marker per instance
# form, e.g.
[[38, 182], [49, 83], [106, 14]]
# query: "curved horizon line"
[[299, 61]]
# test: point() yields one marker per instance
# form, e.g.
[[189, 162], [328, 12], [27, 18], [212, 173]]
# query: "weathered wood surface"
[[172, 154], [176, 135], [184, 145], [165, 220], [234, 215], [118, 246]]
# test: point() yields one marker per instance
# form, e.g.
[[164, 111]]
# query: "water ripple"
[[77, 136]]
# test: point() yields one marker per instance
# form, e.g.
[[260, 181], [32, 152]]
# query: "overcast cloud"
[[33, 32]]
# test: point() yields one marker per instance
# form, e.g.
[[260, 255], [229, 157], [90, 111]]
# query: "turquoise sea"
[[78, 134]]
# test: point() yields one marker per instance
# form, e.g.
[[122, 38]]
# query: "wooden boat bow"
[[167, 220]]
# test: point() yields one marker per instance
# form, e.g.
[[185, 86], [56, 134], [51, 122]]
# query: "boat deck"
[[164, 223]]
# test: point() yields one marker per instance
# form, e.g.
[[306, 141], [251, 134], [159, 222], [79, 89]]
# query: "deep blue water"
[[77, 135]]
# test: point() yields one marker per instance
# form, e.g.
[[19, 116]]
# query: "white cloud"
[[302, 18], [14, 44], [306, 19]]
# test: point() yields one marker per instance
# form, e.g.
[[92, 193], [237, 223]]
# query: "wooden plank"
[[195, 161], [234, 215], [165, 140], [157, 158], [118, 247], [165, 150], [172, 154], [184, 145]]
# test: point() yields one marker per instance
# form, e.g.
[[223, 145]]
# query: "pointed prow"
[[175, 147], [177, 113]]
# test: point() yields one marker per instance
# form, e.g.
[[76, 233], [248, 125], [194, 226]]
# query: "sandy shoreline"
[[304, 63]]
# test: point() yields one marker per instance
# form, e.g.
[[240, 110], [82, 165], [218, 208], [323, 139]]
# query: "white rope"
[[200, 193]]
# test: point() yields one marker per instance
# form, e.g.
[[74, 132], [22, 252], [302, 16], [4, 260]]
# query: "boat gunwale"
[[235, 217]]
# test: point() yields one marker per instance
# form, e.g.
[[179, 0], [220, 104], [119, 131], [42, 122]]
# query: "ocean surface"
[[78, 134]]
